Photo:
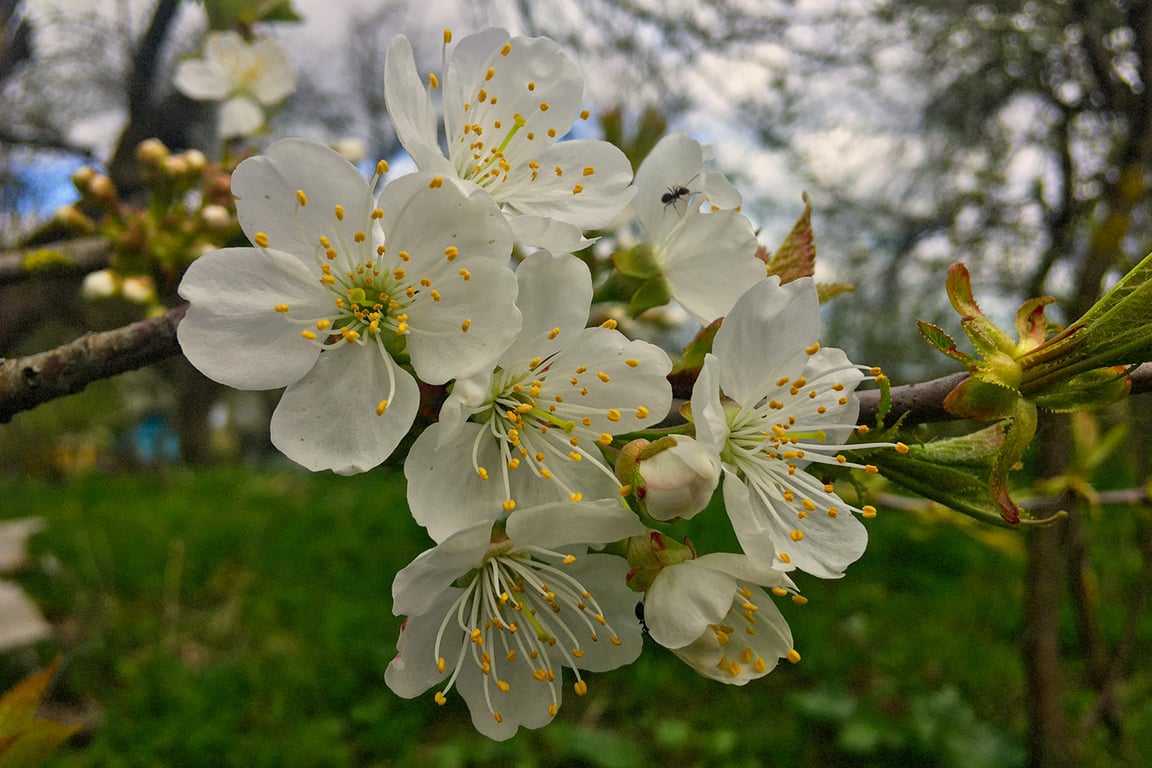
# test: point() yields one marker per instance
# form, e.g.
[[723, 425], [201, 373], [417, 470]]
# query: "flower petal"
[[707, 410], [267, 187], [684, 600], [584, 182], [525, 704], [605, 578], [409, 105], [554, 293], [278, 78], [710, 260], [328, 419], [549, 234], [765, 336], [418, 584], [413, 671], [201, 80], [569, 524], [232, 332], [675, 162], [240, 116]]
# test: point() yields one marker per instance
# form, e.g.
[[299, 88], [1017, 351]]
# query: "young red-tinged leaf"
[[1017, 438], [980, 400], [825, 292], [959, 287], [796, 257], [942, 342], [701, 344], [1031, 325]]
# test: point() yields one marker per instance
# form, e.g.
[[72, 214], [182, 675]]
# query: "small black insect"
[[674, 195], [640, 617]]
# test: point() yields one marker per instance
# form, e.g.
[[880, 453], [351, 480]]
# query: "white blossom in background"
[[771, 401], [337, 289], [706, 259], [529, 430], [507, 101], [495, 612], [711, 612], [247, 78]]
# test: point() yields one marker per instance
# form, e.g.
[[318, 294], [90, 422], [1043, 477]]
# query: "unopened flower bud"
[[196, 160], [102, 188], [674, 477], [176, 165], [650, 553], [103, 284], [73, 217], [151, 152], [83, 177], [215, 217], [139, 289]]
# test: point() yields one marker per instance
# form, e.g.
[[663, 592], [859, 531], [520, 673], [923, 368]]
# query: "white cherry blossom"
[[495, 611], [339, 290], [706, 259], [247, 78], [711, 613], [771, 401], [529, 430], [507, 102]]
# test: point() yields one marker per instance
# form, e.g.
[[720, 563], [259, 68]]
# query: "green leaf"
[[1017, 438], [942, 342], [653, 293], [981, 400], [1086, 391], [24, 740], [796, 257], [636, 262]]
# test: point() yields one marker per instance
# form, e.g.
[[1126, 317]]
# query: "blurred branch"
[[83, 255], [30, 381], [42, 141]]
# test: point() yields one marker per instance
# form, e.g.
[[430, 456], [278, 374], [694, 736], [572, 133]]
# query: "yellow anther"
[[436, 182], [509, 505], [439, 698], [641, 412], [301, 198], [328, 279], [577, 189], [813, 349], [507, 49], [340, 212], [868, 511], [580, 687], [381, 407], [435, 294], [604, 439], [901, 448], [451, 252], [779, 591], [359, 237], [613, 414], [281, 308], [569, 559], [794, 656], [464, 273], [381, 167], [610, 324], [398, 274], [433, 81], [799, 599], [322, 325], [544, 106], [498, 717], [491, 73], [553, 333], [589, 170], [796, 535], [784, 558], [625, 490], [310, 335], [871, 469], [603, 377], [585, 114], [447, 36], [261, 239], [575, 457], [482, 472], [464, 326]]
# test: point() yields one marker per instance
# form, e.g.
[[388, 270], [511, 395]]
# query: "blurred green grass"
[[235, 617]]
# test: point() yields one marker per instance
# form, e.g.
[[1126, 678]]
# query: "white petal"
[[549, 234], [266, 188], [771, 642], [409, 105], [467, 67], [610, 382], [553, 293], [684, 600], [424, 219], [710, 261], [202, 80], [707, 411], [232, 332], [420, 583], [590, 193], [605, 577], [568, 524], [765, 335], [445, 493], [525, 705], [226, 48], [328, 419], [674, 162], [240, 116], [414, 671], [467, 329], [717, 190], [278, 79]]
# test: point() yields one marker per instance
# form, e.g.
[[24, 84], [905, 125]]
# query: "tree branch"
[[86, 254], [30, 381]]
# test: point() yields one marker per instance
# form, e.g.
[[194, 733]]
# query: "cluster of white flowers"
[[546, 478]]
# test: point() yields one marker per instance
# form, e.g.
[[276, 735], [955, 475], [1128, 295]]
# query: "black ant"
[[677, 192], [640, 617]]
